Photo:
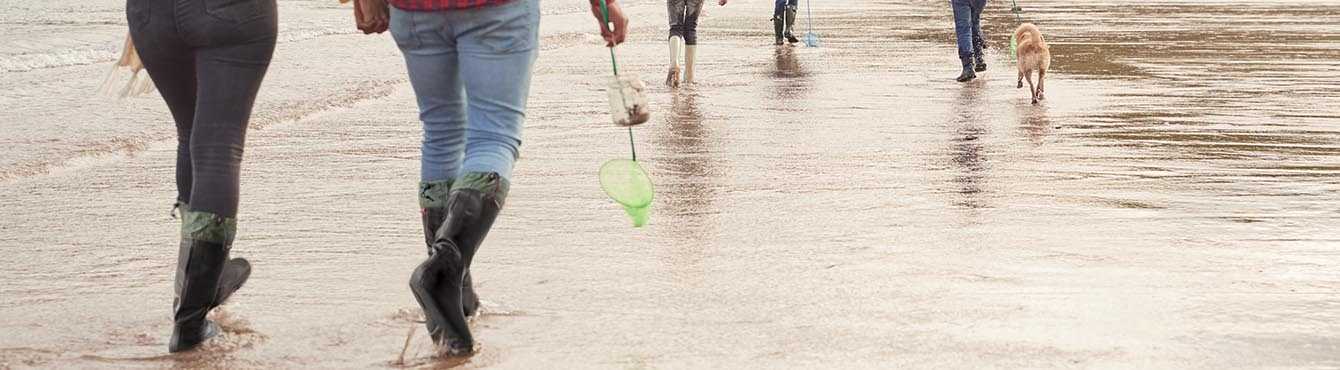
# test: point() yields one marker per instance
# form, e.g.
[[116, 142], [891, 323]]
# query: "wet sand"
[[1170, 205]]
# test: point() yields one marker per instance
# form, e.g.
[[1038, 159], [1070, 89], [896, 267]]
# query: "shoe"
[[968, 74], [205, 277], [472, 206], [672, 77], [979, 64]]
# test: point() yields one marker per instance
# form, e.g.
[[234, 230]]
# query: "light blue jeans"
[[470, 70]]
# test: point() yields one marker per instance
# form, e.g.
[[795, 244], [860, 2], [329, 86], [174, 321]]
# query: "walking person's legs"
[[790, 14], [210, 83], [229, 78], [678, 34], [963, 21], [434, 71], [495, 48], [691, 11], [978, 40]]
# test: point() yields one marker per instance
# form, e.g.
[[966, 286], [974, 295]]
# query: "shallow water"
[[1170, 205]]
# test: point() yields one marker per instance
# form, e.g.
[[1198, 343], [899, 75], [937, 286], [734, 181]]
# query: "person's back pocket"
[[233, 11]]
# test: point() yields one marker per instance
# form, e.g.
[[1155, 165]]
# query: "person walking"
[[783, 19], [470, 64], [683, 36], [207, 58], [968, 30]]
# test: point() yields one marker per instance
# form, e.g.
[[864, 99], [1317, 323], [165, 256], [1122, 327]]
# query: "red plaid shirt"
[[435, 5]]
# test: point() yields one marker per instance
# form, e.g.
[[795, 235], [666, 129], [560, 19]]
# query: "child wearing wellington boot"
[[683, 37]]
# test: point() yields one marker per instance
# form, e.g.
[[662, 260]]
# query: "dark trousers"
[[207, 58], [780, 6], [684, 19], [968, 27]]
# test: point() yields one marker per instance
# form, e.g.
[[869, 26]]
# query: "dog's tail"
[[1029, 38]]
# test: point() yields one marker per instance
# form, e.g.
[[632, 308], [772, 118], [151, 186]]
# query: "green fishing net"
[[1014, 47], [627, 183]]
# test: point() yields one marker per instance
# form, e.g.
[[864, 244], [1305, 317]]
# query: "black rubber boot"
[[433, 202], [790, 25], [778, 27], [205, 277], [472, 206], [968, 74], [979, 57]]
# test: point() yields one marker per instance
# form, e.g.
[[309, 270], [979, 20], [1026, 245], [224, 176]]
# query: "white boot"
[[672, 77], [690, 52]]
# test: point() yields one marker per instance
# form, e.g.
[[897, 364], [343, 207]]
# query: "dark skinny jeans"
[[207, 58]]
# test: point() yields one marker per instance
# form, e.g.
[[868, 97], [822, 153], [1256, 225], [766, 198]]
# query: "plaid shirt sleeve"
[[440, 5]]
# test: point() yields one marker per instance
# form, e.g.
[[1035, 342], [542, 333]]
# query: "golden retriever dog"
[[1034, 55]]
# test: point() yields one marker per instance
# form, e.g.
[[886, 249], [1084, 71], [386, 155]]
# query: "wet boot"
[[690, 54], [790, 25], [433, 203], [672, 77], [472, 206], [205, 276], [968, 74], [778, 27], [979, 57]]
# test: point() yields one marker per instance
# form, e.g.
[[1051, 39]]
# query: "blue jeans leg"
[[471, 74], [434, 72], [497, 47], [967, 24], [978, 41]]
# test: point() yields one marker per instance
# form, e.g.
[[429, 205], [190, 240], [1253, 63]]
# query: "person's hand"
[[722, 3], [372, 16], [612, 36]]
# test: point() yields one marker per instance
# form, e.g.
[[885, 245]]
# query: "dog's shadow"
[[1034, 122]]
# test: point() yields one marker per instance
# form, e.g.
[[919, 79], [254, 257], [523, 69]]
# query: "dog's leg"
[[1031, 90], [1042, 83], [1021, 79]]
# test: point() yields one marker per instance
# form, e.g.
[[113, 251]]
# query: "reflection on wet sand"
[[688, 188], [967, 153], [790, 80], [1033, 122], [1170, 205]]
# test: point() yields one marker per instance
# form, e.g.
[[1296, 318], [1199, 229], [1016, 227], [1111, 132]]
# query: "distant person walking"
[[207, 58], [470, 65], [783, 19], [683, 36], [968, 29]]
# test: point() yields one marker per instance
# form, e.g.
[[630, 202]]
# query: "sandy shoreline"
[[846, 206]]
